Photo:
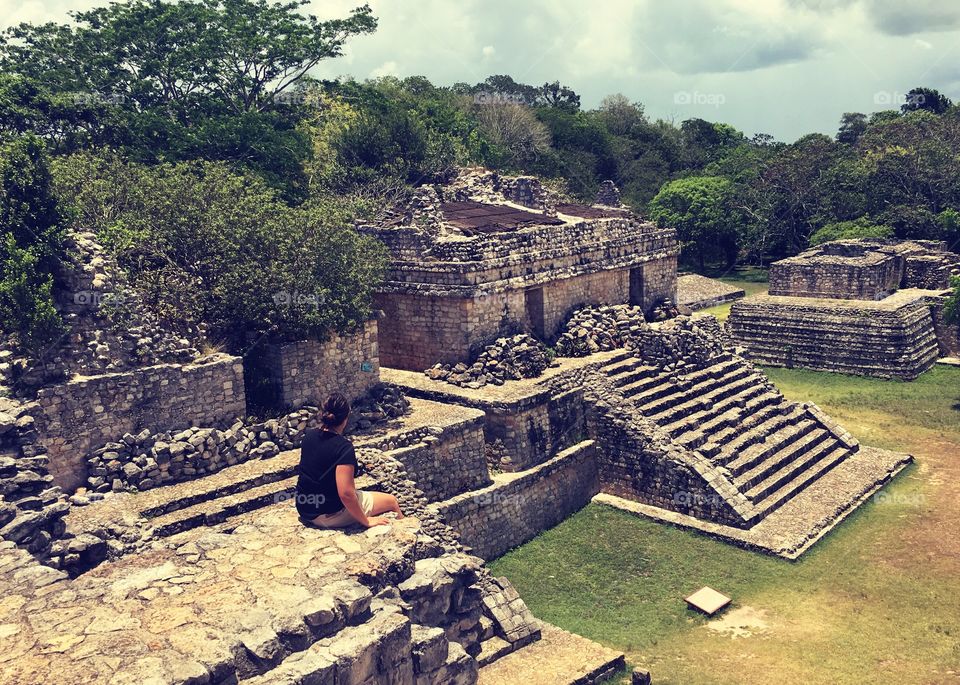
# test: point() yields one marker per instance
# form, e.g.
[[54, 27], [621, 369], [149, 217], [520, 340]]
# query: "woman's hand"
[[377, 521]]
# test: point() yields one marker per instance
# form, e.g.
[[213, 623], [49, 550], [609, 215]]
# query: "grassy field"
[[752, 282], [876, 601]]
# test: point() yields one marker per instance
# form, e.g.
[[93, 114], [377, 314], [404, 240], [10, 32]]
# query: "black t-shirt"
[[321, 452]]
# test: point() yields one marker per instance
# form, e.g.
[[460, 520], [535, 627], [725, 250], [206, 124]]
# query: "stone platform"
[[559, 658], [890, 338], [794, 528], [699, 292]]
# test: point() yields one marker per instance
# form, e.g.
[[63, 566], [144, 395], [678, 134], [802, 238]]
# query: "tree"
[[557, 96], [845, 230], [703, 211], [852, 126], [31, 246], [951, 311], [515, 131], [243, 54], [927, 99], [201, 243]]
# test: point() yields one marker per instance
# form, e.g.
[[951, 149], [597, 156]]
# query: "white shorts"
[[344, 518]]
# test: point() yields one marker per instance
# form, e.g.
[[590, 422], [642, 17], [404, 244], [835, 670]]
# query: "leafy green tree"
[[31, 247], [951, 311], [844, 230], [703, 210], [202, 243], [852, 126], [927, 99]]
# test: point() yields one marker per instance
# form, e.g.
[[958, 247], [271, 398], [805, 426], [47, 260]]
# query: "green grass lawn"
[[749, 287], [876, 601]]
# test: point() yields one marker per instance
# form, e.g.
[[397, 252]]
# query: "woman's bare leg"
[[382, 503]]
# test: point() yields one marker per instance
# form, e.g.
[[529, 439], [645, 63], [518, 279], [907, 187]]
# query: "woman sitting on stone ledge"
[[326, 494]]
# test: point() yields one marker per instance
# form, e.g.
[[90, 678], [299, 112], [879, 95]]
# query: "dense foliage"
[[191, 137], [31, 245], [206, 245]]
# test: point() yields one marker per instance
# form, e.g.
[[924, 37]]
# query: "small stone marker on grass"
[[707, 600]]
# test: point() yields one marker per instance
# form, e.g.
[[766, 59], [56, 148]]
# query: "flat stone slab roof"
[[899, 299], [792, 529], [698, 292]]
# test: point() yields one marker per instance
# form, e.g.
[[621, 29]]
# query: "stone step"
[[683, 394], [754, 414], [680, 416], [812, 472], [559, 658], [783, 416], [728, 415], [797, 450], [761, 451], [652, 386], [625, 368], [273, 470], [641, 380], [219, 509]]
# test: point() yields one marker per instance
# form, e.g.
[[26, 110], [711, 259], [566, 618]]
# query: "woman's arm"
[[348, 495]]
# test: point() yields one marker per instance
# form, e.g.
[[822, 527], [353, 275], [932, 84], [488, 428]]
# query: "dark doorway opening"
[[636, 286], [533, 299]]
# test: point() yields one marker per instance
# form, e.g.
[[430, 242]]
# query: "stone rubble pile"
[[147, 460], [31, 507], [511, 358], [608, 195], [665, 310], [597, 329], [682, 342]]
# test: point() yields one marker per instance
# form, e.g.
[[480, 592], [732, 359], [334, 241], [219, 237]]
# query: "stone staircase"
[[728, 413]]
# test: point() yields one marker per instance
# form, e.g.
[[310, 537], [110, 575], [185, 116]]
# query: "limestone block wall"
[[533, 430], [305, 372], [633, 466], [517, 507], [659, 282], [561, 297], [83, 414], [859, 280], [448, 462], [948, 334]]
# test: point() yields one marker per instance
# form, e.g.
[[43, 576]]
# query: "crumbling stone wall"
[[448, 461], [515, 509], [863, 269], [84, 414], [305, 372]]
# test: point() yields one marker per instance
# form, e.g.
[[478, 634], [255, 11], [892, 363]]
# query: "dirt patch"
[[741, 622]]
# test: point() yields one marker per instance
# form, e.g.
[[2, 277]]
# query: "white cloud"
[[385, 69]]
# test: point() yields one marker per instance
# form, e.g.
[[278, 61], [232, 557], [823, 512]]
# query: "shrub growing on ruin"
[[31, 245], [203, 244], [844, 230]]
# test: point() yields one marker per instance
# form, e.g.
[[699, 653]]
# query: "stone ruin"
[[148, 527], [870, 307], [486, 255]]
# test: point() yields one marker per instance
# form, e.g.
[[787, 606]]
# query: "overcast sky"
[[784, 67]]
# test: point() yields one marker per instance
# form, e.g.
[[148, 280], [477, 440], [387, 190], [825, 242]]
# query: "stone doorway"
[[533, 300], [636, 286]]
